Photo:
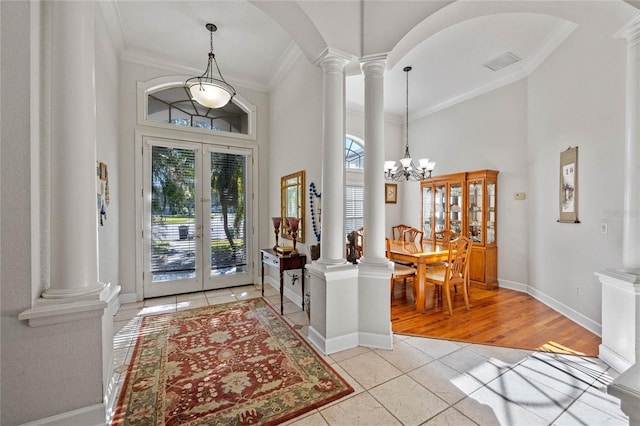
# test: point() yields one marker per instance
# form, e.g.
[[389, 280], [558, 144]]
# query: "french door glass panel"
[[195, 218]]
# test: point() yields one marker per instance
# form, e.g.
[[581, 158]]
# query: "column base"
[[60, 310], [72, 293], [626, 387]]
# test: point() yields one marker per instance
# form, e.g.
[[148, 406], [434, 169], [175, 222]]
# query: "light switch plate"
[[519, 196]]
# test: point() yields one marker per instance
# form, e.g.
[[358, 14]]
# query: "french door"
[[195, 217]]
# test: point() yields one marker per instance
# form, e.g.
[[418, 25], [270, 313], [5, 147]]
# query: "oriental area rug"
[[238, 363]]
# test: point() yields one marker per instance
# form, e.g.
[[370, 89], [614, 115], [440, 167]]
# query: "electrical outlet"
[[578, 290], [604, 228]]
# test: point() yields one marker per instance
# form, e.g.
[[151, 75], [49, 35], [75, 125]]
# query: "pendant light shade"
[[207, 90]]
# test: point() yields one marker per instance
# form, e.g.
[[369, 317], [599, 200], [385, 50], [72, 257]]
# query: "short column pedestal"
[[334, 307], [620, 293], [374, 286]]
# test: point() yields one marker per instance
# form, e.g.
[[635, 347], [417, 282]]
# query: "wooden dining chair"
[[397, 231], [454, 272], [401, 271], [358, 241], [446, 235], [413, 235]]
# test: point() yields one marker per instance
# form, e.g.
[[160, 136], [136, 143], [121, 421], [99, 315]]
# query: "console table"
[[282, 263]]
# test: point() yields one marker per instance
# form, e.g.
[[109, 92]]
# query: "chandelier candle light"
[[206, 90], [408, 171]]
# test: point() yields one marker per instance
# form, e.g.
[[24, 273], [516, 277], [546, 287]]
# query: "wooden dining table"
[[421, 256]]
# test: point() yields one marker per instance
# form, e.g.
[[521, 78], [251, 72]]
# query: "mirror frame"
[[295, 180]]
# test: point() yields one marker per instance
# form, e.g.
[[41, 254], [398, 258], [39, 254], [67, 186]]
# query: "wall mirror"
[[292, 200]]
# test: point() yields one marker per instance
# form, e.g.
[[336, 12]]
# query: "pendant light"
[[206, 90], [408, 169]]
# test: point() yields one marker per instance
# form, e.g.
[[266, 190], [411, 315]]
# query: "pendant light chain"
[[408, 170]]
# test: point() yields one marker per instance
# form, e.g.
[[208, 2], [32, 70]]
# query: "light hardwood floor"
[[499, 317]]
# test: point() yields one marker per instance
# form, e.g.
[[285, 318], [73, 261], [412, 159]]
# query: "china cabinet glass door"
[[427, 212], [491, 219], [440, 208], [475, 211], [455, 207]]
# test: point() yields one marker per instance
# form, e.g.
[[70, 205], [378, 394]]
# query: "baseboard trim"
[[93, 415], [568, 312], [334, 344], [573, 315], [613, 359], [290, 294], [512, 285], [128, 298], [378, 341]]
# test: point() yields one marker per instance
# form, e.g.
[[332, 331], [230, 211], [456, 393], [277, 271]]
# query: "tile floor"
[[423, 381]]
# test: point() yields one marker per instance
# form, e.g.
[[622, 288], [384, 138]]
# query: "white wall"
[[295, 134], [486, 132], [130, 74], [576, 98], [107, 149]]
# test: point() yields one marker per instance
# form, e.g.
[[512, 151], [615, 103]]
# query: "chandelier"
[[206, 90], [408, 169]]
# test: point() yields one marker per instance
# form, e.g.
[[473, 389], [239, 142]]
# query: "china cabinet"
[[466, 203], [442, 199]]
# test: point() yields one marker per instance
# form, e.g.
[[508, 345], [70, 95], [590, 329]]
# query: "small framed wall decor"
[[390, 193], [569, 186]]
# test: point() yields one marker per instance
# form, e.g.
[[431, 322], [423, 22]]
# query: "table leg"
[[262, 263], [420, 288], [281, 294], [302, 282]]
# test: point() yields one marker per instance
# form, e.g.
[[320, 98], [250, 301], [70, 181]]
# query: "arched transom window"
[[174, 106], [354, 154]]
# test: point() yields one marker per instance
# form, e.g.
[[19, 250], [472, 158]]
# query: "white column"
[[74, 249], [622, 287], [631, 220], [332, 249], [374, 218]]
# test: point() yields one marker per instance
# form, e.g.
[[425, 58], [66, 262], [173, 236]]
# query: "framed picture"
[[390, 193], [569, 186]]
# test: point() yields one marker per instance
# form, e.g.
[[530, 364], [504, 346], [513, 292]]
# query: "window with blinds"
[[173, 213], [354, 208], [228, 213]]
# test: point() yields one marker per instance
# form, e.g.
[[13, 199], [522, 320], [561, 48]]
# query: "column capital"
[[332, 59], [630, 31], [373, 65]]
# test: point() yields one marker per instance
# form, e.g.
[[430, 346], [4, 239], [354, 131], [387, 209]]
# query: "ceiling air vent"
[[502, 61]]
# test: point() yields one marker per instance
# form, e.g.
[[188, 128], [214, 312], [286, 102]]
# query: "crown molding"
[[285, 63], [111, 15], [553, 40], [519, 70], [142, 57]]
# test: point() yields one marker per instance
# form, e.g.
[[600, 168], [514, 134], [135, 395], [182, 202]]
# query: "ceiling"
[[253, 50]]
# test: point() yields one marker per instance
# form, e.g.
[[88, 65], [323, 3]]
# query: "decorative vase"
[[277, 221], [315, 252]]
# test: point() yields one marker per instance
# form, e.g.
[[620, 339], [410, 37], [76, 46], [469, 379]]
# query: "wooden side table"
[[282, 263]]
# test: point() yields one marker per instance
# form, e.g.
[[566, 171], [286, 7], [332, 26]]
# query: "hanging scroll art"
[[569, 186]]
